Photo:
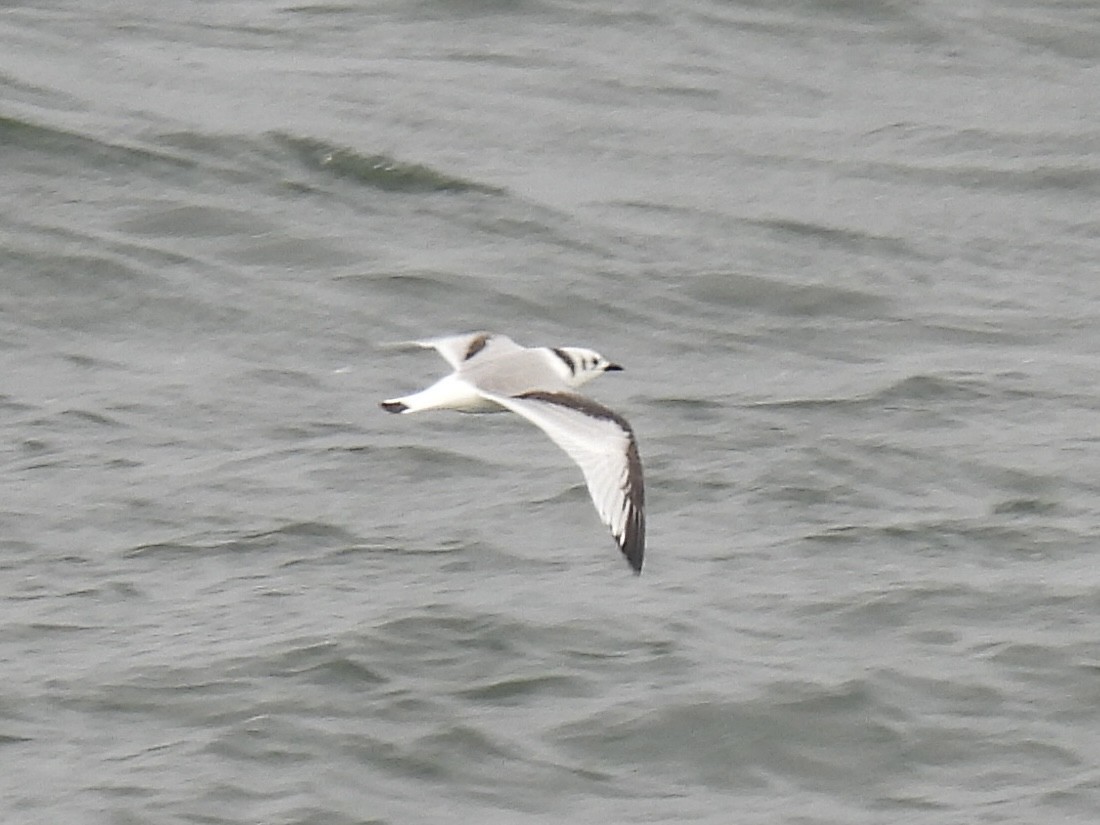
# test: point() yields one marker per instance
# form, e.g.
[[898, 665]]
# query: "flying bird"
[[492, 373]]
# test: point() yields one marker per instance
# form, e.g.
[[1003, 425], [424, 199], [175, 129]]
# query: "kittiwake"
[[492, 373]]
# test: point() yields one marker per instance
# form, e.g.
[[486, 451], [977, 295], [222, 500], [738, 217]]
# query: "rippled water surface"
[[847, 252]]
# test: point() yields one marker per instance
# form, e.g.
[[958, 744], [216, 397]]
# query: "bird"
[[492, 373]]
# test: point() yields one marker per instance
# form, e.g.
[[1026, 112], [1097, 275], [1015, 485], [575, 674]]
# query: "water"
[[846, 252]]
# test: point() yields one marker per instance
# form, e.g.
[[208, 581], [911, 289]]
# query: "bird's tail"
[[445, 394], [395, 405]]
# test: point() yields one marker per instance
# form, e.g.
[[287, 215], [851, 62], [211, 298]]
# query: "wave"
[[375, 170]]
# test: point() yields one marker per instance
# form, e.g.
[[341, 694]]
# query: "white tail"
[[449, 393]]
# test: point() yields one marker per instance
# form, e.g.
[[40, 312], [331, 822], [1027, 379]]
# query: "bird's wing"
[[603, 445], [458, 349]]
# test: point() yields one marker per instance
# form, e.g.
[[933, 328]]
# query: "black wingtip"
[[394, 406], [634, 551]]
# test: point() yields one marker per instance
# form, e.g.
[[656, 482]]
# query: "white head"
[[578, 365]]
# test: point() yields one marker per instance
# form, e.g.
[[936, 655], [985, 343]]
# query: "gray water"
[[847, 252]]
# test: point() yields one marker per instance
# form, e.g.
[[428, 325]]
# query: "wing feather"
[[602, 443], [457, 349]]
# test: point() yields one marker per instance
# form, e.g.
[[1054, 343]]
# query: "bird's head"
[[580, 365]]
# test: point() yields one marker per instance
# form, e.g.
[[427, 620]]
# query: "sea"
[[848, 253]]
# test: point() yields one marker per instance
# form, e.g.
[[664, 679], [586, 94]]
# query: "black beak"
[[613, 368]]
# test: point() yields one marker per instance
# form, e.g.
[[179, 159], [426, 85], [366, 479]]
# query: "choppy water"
[[847, 252]]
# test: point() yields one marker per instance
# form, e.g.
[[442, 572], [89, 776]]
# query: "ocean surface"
[[847, 252]]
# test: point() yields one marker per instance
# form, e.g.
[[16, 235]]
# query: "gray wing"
[[458, 349], [602, 443]]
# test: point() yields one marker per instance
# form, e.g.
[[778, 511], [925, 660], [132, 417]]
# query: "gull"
[[492, 373]]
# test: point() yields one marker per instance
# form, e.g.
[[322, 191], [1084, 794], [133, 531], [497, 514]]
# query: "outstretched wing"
[[603, 445], [457, 349]]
